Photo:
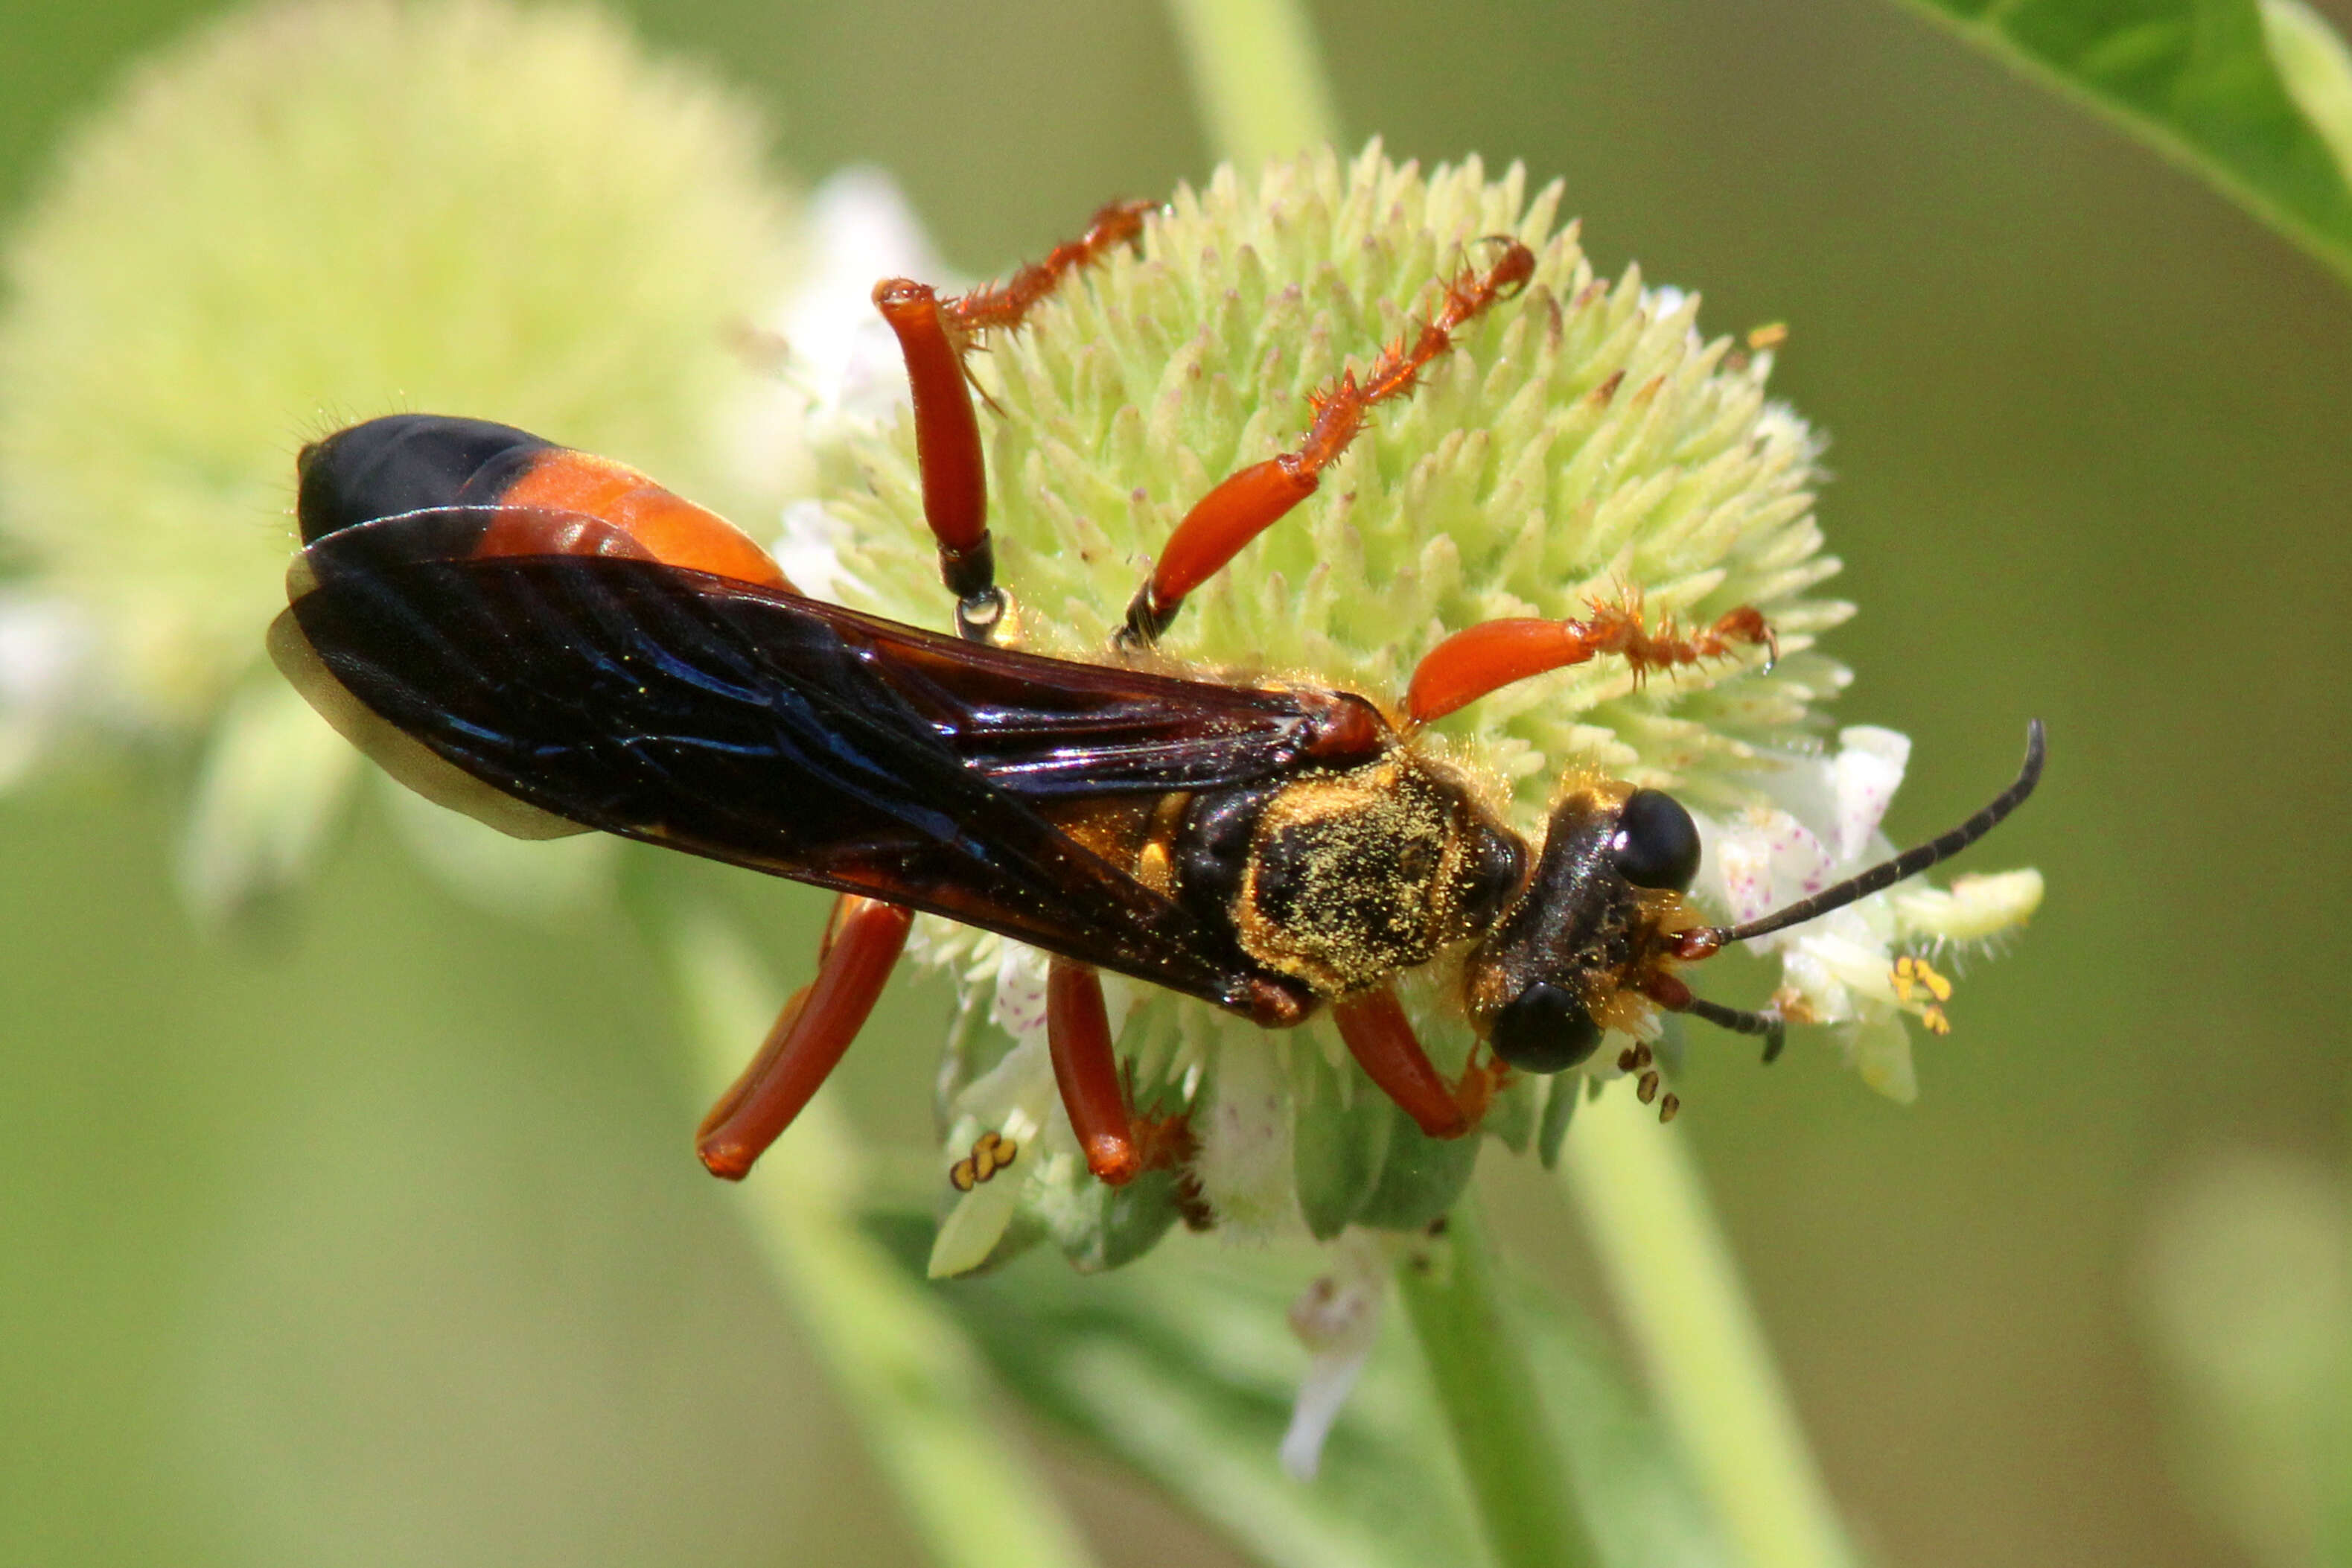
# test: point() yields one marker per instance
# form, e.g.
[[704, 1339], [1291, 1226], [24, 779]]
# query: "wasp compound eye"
[[1544, 1029], [1657, 843]]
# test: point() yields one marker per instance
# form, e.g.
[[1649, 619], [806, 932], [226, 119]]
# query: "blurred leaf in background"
[[2253, 95], [2249, 1262]]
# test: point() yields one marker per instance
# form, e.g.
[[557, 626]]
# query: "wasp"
[[553, 643]]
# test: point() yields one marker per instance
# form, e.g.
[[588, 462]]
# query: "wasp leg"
[[1380, 1038], [1085, 1070], [1482, 658], [934, 335], [1253, 499], [862, 942]]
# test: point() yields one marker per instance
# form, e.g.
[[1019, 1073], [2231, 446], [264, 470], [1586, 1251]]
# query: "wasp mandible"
[[553, 643]]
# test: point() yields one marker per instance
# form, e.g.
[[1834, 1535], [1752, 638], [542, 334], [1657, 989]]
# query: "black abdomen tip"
[[406, 462]]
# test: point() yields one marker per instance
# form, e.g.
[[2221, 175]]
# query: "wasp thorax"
[[1342, 878], [1557, 967]]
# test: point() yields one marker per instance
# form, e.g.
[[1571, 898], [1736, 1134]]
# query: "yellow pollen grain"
[[1916, 974]]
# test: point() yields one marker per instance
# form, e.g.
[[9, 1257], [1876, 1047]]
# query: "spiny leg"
[[1482, 658], [1382, 1039], [1005, 305], [1252, 499], [934, 335], [862, 942]]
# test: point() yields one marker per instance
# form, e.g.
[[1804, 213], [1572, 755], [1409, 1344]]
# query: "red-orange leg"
[[861, 943], [1485, 658], [1253, 499], [947, 450], [934, 335], [1085, 1070], [1382, 1039]]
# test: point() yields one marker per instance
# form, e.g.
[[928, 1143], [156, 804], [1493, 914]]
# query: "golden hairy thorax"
[[1353, 876]]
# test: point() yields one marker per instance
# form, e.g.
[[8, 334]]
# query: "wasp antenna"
[[1910, 863], [1739, 1021]]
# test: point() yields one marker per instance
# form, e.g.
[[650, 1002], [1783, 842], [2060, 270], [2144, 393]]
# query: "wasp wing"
[[761, 728]]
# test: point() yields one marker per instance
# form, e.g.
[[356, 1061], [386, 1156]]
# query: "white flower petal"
[[1972, 910], [1769, 859], [1866, 772], [1338, 1319], [1018, 1005], [1244, 1163], [1016, 1100]]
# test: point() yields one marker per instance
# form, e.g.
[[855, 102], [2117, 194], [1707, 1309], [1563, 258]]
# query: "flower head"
[[1583, 446], [312, 211]]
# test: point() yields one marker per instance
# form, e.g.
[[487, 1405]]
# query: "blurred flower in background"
[[313, 214]]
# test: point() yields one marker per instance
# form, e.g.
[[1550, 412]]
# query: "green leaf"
[[1640, 1503], [1183, 1367], [1422, 1178], [1338, 1144], [2248, 93], [1559, 1109], [1473, 1342]]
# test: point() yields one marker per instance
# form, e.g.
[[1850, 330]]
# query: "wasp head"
[[1569, 957], [1591, 941]]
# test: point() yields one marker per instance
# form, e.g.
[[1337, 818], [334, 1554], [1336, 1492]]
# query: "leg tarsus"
[[1253, 499], [862, 942], [992, 306]]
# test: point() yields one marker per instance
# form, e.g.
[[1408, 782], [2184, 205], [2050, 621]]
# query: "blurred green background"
[[321, 1244]]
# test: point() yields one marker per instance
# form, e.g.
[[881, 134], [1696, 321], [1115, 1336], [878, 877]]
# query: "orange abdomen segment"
[[668, 527]]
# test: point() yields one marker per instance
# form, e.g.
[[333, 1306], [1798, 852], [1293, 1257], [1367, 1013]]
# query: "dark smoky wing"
[[757, 728], [1047, 727]]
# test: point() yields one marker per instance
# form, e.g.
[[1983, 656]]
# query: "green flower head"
[[1581, 443]]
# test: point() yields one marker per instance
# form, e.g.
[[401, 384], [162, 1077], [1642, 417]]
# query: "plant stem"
[[1679, 1289], [902, 1364], [1256, 75], [1487, 1390]]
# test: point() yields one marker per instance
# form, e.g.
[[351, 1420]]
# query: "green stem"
[[1679, 1291], [1487, 1390], [903, 1367], [1257, 77]]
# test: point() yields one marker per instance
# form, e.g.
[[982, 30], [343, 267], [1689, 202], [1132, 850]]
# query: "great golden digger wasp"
[[553, 643]]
